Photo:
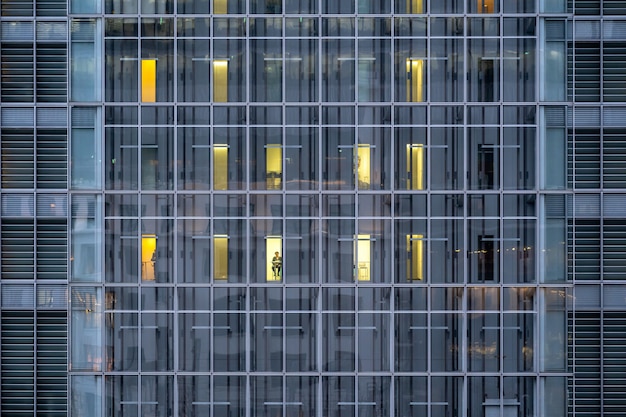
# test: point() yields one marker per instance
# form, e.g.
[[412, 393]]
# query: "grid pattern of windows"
[[312, 207], [309, 214]]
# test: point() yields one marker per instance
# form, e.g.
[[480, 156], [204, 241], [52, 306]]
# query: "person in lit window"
[[277, 264]]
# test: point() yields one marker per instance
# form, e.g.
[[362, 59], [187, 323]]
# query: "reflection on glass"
[[274, 250], [220, 167], [415, 257], [148, 80], [220, 256], [220, 80], [86, 329], [301, 72], [157, 158], [414, 80], [484, 74], [338, 70], [486, 79], [86, 394], [87, 238], [274, 166], [148, 256], [415, 166], [485, 159]]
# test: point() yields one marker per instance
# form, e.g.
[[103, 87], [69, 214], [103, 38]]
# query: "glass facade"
[[288, 208]]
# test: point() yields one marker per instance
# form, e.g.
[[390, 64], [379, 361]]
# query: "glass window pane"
[[86, 239], [411, 343], [411, 396], [339, 72], [121, 151], [122, 395], [194, 345], [374, 76], [339, 342], [484, 72], [447, 251], [229, 158], [447, 334], [194, 148], [86, 330], [266, 70], [122, 342], [518, 82], [301, 70], [194, 69], [229, 395], [194, 395], [229, 70], [229, 346], [484, 342], [121, 70], [86, 394]]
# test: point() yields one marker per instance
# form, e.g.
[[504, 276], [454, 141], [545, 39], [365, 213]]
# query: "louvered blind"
[[614, 71], [614, 250], [18, 249], [17, 80], [614, 7], [51, 72], [18, 158], [587, 158], [52, 158], [587, 71], [51, 7], [52, 363], [614, 368], [51, 249], [586, 7], [17, 7], [614, 156], [586, 249], [585, 360], [17, 375]]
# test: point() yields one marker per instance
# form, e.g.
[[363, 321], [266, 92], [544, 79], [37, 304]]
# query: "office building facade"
[[263, 208]]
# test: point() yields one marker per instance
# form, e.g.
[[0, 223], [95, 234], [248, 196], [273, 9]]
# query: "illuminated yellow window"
[[274, 251], [414, 6], [220, 257], [415, 257], [274, 166], [220, 80], [220, 6], [220, 167], [362, 257], [148, 80], [485, 6], [363, 166], [414, 80], [415, 166], [148, 257]]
